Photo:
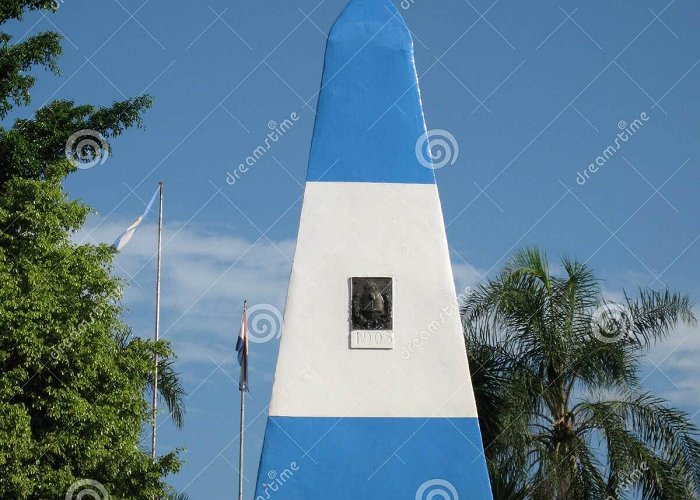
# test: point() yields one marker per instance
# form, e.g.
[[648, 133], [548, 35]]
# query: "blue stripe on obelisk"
[[369, 115], [382, 458]]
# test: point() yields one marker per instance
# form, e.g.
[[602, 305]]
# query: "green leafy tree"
[[555, 373], [72, 378]]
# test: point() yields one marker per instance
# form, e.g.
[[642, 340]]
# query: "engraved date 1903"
[[372, 340]]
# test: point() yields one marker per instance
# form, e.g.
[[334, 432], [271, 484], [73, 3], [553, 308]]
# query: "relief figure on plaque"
[[372, 301], [371, 304]]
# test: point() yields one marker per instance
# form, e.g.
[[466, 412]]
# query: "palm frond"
[[643, 432], [655, 313], [179, 496], [529, 263], [170, 390]]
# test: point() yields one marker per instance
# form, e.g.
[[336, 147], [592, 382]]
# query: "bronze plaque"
[[372, 304]]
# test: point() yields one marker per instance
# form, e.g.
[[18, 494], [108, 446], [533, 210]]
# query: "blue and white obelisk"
[[372, 397]]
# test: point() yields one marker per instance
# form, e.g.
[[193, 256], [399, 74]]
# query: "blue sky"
[[532, 92]]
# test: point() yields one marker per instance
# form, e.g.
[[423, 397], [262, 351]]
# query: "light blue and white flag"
[[126, 235]]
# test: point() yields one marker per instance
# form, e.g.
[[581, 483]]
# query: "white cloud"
[[673, 367], [466, 276], [205, 278], [207, 275]]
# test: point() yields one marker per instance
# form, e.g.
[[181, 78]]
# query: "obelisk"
[[372, 397]]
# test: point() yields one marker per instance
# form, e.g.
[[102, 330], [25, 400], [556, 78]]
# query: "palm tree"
[[179, 496], [555, 373], [170, 390]]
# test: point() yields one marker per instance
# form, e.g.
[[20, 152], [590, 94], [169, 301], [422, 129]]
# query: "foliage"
[[15, 60], [72, 379], [562, 409]]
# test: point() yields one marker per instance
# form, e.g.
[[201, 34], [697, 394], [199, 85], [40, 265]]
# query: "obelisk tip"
[[370, 116]]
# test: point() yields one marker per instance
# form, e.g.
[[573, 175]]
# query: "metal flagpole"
[[242, 419], [157, 326], [240, 451]]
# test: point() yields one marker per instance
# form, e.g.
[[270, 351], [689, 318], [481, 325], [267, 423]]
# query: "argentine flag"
[[126, 235]]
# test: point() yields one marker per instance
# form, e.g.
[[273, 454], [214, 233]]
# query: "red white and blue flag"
[[242, 349]]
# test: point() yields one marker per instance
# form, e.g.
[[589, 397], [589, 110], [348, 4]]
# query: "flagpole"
[[242, 429], [157, 324], [240, 451]]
